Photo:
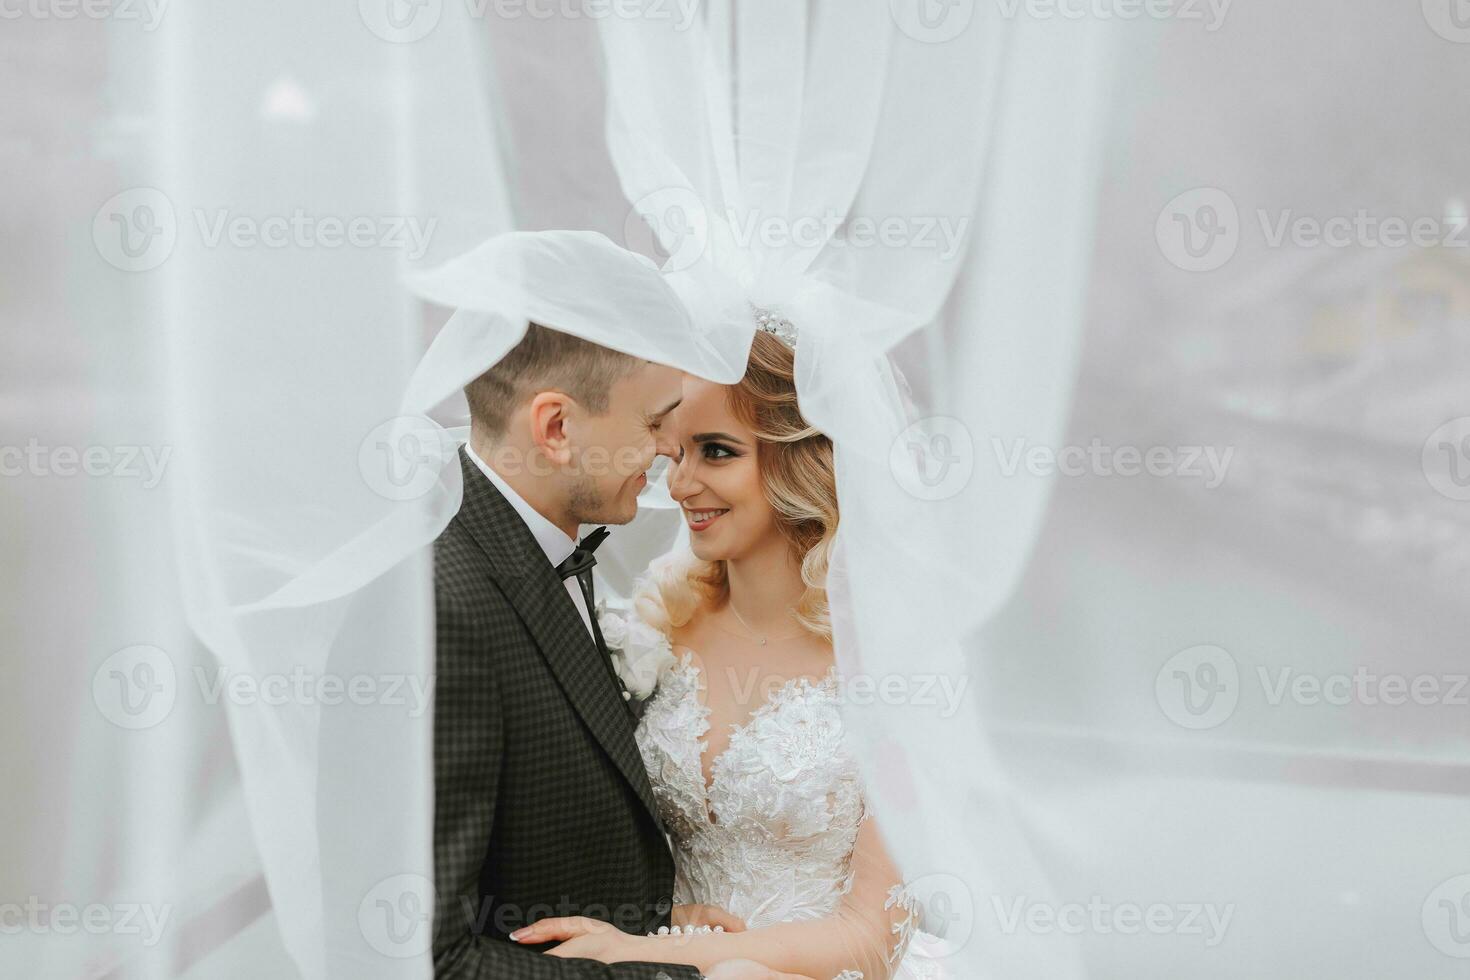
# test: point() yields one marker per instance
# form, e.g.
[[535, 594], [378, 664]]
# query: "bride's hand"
[[584, 938], [706, 915]]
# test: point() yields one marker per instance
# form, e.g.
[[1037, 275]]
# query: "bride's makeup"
[[701, 520], [715, 478], [716, 448]]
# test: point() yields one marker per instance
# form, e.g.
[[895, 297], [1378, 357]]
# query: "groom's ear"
[[549, 412]]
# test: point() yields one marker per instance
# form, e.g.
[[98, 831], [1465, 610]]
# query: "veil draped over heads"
[[822, 162]]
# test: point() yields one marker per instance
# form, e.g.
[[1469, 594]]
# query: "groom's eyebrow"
[[701, 438]]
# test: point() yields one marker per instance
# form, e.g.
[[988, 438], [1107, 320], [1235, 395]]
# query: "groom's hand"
[[747, 970], [706, 915]]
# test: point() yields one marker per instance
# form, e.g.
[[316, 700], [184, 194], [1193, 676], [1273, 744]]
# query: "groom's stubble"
[[585, 503]]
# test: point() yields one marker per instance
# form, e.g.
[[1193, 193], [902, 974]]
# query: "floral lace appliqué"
[[899, 896]]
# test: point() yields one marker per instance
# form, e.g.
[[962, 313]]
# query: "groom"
[[542, 804]]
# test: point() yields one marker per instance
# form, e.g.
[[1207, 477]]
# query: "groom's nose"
[[664, 444]]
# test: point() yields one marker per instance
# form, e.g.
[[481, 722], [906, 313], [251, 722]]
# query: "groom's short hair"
[[546, 359]]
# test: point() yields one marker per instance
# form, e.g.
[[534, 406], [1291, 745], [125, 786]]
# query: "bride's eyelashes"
[[712, 451], [717, 446], [715, 451]]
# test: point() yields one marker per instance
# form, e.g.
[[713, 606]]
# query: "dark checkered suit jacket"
[[541, 803]]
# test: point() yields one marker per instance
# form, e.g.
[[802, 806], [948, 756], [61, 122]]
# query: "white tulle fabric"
[[793, 116]]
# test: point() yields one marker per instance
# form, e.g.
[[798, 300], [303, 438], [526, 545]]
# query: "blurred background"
[[1235, 678]]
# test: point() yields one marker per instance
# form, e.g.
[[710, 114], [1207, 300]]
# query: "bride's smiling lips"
[[701, 518]]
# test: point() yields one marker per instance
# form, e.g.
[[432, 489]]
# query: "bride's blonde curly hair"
[[795, 462]]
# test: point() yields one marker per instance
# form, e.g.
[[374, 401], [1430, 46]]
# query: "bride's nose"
[[682, 481]]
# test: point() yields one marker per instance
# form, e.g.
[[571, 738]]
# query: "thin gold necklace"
[[753, 634]]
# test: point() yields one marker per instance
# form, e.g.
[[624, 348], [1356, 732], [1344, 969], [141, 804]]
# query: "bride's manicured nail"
[[515, 937]]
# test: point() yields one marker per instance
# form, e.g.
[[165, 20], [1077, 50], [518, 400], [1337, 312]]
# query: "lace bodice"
[[771, 836]]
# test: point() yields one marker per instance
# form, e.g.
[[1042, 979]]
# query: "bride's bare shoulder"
[[693, 634]]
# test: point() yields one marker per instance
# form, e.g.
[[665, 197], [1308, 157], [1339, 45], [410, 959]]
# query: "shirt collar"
[[552, 539]]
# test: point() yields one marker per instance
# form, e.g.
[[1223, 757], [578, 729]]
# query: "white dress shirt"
[[552, 539]]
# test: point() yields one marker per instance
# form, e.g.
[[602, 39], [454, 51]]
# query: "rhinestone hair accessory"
[[779, 327]]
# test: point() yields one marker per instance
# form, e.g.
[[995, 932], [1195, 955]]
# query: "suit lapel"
[[542, 603]]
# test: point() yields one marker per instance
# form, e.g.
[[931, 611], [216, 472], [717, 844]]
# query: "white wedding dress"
[[771, 838]]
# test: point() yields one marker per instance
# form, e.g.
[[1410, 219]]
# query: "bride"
[[742, 738]]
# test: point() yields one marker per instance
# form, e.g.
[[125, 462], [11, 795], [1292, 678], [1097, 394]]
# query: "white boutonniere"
[[640, 653]]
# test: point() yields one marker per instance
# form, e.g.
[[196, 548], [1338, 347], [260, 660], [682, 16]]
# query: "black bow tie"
[[581, 560]]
